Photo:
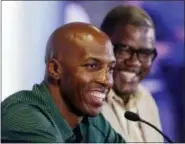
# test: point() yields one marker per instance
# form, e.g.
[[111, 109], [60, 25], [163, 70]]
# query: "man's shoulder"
[[22, 113], [145, 94], [21, 104], [20, 94], [26, 123], [21, 97], [28, 116], [143, 90]]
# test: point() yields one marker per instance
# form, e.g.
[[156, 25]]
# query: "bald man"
[[65, 107]]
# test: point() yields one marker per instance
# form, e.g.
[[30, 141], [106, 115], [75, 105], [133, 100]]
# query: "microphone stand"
[[170, 141]]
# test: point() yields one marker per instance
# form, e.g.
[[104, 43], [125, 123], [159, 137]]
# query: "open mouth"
[[97, 97], [129, 76]]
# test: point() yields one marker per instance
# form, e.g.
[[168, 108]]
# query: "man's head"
[[131, 31], [80, 61]]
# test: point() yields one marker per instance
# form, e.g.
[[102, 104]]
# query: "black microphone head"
[[132, 116]]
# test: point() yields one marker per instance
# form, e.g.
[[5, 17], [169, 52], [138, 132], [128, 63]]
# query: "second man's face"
[[134, 49]]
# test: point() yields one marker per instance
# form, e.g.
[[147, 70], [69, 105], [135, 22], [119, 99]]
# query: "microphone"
[[135, 117]]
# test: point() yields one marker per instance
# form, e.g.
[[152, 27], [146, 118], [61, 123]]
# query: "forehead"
[[89, 46], [137, 37], [100, 51]]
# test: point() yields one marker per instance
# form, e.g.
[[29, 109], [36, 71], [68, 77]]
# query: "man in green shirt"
[[65, 107]]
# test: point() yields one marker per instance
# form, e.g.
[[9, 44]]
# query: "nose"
[[105, 78], [133, 61]]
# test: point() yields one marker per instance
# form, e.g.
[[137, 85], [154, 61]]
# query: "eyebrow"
[[113, 61], [119, 45]]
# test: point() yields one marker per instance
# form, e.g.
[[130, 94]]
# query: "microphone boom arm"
[[156, 130]]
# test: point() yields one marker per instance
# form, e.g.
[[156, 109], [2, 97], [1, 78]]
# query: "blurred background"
[[26, 26]]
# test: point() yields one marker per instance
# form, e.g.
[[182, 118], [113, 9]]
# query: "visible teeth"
[[98, 95], [128, 75]]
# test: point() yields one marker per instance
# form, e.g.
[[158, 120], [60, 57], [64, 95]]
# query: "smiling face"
[[87, 70], [131, 68]]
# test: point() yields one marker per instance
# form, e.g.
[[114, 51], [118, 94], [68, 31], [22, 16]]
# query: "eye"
[[91, 66], [111, 69]]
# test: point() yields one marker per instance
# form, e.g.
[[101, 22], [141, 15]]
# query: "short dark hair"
[[125, 15]]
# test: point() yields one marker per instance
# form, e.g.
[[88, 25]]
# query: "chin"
[[125, 90], [93, 113], [128, 91]]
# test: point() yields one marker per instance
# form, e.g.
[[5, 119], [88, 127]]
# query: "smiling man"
[[65, 107], [132, 33]]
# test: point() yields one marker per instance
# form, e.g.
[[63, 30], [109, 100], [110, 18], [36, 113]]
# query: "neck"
[[125, 99], [124, 96], [72, 119]]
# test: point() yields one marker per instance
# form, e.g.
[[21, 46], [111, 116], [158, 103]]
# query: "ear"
[[54, 69]]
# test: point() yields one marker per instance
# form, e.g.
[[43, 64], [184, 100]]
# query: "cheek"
[[69, 83], [116, 78], [145, 70], [120, 62], [74, 91], [119, 59], [80, 85]]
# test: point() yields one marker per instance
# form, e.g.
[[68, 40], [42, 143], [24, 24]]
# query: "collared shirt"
[[32, 116], [141, 103]]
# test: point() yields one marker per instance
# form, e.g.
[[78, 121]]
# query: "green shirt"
[[32, 116]]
